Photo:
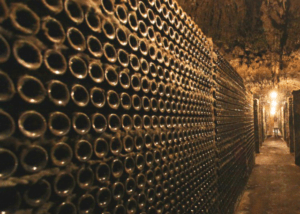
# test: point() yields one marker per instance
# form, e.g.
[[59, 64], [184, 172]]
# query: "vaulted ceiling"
[[260, 38]]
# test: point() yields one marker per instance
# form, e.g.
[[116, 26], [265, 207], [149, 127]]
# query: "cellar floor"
[[274, 185]]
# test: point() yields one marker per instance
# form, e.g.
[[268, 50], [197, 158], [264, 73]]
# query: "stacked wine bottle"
[[107, 106]]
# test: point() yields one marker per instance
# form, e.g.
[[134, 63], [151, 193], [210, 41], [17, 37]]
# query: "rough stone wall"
[[259, 38]]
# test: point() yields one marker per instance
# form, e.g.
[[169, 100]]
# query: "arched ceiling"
[[260, 38]]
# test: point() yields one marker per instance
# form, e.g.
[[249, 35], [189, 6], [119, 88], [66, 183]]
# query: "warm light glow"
[[274, 104], [273, 95], [273, 110]]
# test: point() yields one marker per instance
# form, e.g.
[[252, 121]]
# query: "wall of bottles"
[[117, 106], [235, 139]]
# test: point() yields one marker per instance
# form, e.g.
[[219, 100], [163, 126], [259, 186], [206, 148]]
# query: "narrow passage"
[[274, 185]]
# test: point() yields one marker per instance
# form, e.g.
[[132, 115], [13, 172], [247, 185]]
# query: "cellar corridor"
[[149, 107], [274, 184]]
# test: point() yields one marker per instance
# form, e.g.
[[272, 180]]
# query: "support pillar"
[[296, 111], [282, 122], [286, 118], [264, 127], [291, 124], [286, 121]]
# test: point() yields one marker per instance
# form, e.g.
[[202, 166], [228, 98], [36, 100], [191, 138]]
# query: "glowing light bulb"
[[273, 95], [273, 110]]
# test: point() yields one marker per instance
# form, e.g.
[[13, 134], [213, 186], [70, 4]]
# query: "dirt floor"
[[274, 185]]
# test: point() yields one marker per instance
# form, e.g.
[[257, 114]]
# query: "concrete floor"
[[274, 185]]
